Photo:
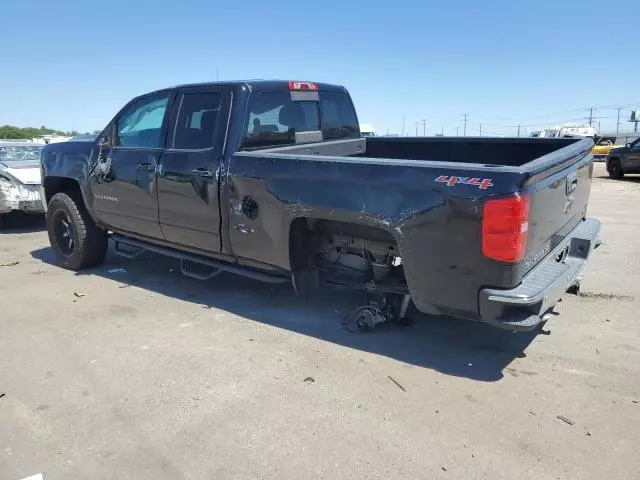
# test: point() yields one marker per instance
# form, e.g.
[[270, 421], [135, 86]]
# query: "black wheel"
[[615, 169], [77, 241]]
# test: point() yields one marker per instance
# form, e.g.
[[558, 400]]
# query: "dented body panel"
[[421, 199], [435, 223]]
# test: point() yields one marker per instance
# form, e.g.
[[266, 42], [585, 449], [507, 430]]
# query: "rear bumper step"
[[524, 307]]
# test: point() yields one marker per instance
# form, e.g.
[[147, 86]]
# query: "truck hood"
[[26, 172], [617, 150]]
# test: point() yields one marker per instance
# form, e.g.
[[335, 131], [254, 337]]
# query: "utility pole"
[[618, 123], [458, 131], [441, 130], [417, 125], [465, 126], [518, 130], [402, 134], [424, 128], [590, 116], [480, 129]]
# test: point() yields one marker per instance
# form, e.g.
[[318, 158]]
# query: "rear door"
[[188, 197]]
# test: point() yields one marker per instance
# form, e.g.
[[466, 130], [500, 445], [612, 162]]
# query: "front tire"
[[76, 240], [615, 169]]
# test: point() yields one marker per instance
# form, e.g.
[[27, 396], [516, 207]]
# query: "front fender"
[[66, 166]]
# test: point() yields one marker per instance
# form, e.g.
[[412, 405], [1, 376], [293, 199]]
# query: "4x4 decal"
[[452, 181]]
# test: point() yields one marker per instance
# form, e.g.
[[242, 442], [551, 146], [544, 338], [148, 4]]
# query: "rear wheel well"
[[53, 185], [344, 252]]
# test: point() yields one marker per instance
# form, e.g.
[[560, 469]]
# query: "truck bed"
[[427, 195], [485, 151]]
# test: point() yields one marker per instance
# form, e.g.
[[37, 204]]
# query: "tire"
[[76, 240], [615, 169]]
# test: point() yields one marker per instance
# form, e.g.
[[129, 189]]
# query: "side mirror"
[[104, 145], [103, 141]]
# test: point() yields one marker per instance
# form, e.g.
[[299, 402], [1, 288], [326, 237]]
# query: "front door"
[[123, 183], [188, 198]]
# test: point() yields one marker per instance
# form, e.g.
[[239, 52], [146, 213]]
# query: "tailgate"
[[558, 202]]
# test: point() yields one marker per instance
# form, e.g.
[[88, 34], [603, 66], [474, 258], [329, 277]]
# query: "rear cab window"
[[274, 118]]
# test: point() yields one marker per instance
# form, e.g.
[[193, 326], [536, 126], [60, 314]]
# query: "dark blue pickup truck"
[[271, 179]]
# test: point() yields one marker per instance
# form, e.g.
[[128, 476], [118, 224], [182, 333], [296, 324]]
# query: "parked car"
[[279, 186], [603, 146], [20, 178], [623, 160]]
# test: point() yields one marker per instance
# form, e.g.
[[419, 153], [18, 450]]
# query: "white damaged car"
[[20, 178]]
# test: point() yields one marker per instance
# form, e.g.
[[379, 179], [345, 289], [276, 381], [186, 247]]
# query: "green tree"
[[11, 132]]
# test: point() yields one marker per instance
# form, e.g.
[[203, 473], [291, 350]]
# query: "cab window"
[[197, 121], [274, 118], [140, 125]]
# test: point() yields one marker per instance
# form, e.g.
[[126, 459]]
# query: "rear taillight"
[[505, 222]]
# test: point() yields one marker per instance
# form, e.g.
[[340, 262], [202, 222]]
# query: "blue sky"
[[72, 64]]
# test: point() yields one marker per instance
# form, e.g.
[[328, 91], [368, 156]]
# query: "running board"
[[137, 248]]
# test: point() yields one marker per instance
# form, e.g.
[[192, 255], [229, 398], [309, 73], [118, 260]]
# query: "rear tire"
[[76, 240], [615, 169]]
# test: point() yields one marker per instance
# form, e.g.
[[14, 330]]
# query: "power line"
[[567, 112]]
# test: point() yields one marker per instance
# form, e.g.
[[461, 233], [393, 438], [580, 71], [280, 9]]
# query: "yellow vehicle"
[[605, 144]]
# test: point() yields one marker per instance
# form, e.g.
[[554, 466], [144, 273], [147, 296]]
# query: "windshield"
[[17, 153], [274, 118]]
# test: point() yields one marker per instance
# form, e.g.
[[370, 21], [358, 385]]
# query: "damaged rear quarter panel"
[[436, 227]]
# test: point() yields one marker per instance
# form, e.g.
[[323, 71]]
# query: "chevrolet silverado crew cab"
[[272, 180]]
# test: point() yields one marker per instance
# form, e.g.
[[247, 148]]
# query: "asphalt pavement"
[[132, 371]]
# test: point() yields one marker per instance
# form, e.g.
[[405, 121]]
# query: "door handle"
[[147, 167], [201, 172]]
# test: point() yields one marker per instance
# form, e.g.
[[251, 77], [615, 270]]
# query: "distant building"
[[566, 130], [367, 130]]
